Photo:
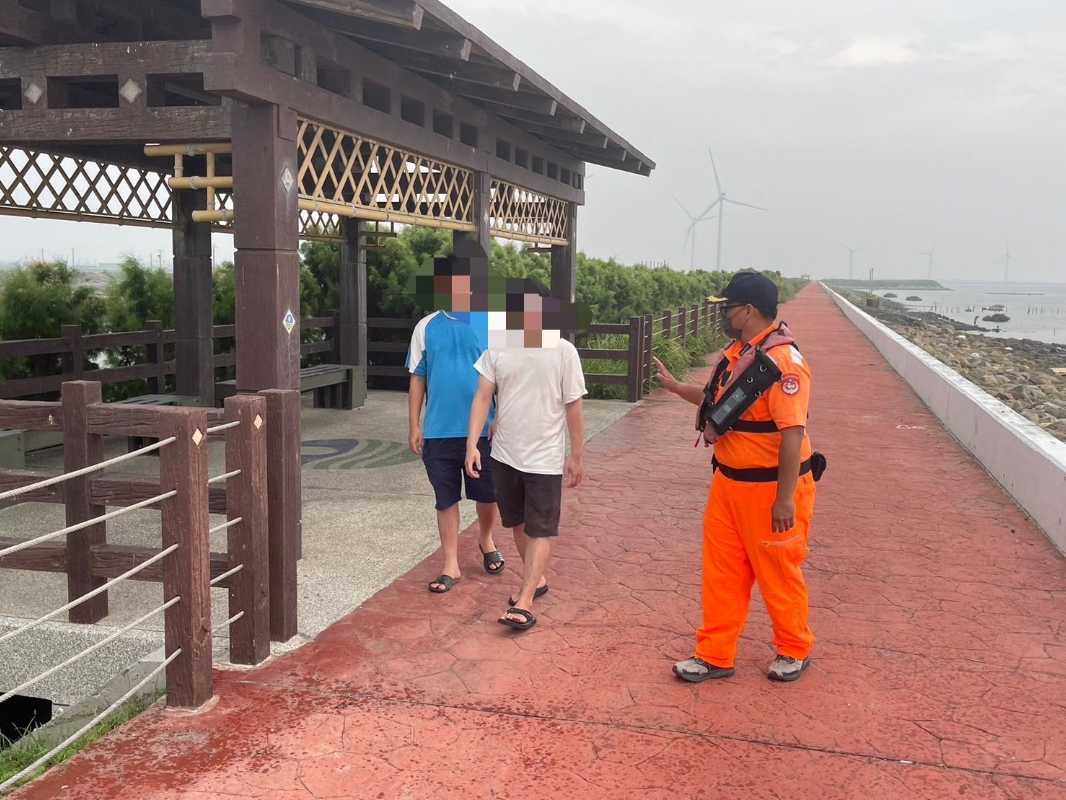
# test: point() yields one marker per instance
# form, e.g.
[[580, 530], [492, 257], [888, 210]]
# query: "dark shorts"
[[445, 461], [524, 497]]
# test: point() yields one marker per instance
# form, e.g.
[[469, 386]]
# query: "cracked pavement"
[[940, 667]]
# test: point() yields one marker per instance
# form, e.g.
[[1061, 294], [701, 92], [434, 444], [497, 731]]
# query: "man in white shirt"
[[538, 381]]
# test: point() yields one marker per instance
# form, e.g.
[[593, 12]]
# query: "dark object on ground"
[[447, 581], [891, 296], [914, 299], [530, 620], [996, 318]]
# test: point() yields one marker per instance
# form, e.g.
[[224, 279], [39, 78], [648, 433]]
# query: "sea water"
[[1036, 310]]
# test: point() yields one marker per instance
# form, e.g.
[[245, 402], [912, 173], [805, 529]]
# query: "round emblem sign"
[[790, 384]]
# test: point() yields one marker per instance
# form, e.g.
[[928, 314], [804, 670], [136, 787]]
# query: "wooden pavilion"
[[282, 119]]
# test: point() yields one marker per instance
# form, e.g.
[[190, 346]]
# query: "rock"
[[1027, 393]]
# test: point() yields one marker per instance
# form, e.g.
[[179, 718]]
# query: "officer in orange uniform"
[[761, 498]]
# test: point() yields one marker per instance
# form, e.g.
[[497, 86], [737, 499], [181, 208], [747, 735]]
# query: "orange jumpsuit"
[[739, 543]]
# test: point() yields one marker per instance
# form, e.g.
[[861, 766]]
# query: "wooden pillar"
[[564, 262], [248, 542], [80, 449], [193, 299], [186, 571], [283, 514], [636, 354], [351, 329], [266, 237], [477, 244]]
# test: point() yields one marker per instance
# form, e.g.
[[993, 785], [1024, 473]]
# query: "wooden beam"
[[521, 118], [112, 125], [469, 71], [401, 13], [106, 58], [47, 557], [25, 27], [437, 43], [563, 138], [503, 97]]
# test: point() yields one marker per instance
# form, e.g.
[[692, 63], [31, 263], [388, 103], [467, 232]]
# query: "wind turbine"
[[1006, 264], [929, 254], [720, 204], [851, 262], [690, 232]]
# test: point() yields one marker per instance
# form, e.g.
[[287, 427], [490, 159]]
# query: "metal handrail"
[[80, 526], [87, 651], [44, 484], [89, 725], [90, 595]]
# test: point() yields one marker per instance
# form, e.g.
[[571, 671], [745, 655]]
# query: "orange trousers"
[[741, 548]]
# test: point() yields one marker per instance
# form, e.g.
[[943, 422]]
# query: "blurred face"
[[533, 320], [460, 291]]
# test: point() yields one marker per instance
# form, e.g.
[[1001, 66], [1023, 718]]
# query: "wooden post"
[[74, 358], [696, 320], [193, 299], [477, 244], [266, 235], [667, 319], [683, 320], [154, 352], [284, 508], [564, 261], [187, 571], [645, 365], [636, 349], [352, 289], [81, 449], [248, 541]]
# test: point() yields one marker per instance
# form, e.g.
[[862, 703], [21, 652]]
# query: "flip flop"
[[493, 561], [530, 620], [543, 590], [447, 581]]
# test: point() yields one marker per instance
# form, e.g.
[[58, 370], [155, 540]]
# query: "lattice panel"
[[38, 183], [319, 225], [519, 213], [355, 176]]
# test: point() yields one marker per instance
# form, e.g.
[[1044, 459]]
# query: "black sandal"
[[493, 561], [530, 620], [447, 581], [543, 590]]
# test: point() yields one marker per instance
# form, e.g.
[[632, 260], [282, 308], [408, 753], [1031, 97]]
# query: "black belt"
[[758, 475], [751, 426]]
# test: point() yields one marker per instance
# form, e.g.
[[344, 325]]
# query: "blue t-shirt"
[[444, 349]]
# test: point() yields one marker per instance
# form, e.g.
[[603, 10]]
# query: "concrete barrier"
[[1029, 462]]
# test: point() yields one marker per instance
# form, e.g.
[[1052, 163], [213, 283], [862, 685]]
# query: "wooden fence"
[[158, 362], [388, 340], [258, 565], [641, 333]]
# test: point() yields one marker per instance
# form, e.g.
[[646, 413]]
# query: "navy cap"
[[750, 288]]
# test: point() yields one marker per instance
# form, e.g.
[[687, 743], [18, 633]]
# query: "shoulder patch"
[[790, 384]]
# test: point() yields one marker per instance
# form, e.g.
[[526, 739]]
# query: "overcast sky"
[[891, 126]]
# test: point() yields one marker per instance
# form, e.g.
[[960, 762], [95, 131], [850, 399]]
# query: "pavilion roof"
[[430, 39]]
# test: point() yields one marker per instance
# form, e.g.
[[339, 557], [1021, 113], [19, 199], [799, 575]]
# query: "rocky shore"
[[1016, 371]]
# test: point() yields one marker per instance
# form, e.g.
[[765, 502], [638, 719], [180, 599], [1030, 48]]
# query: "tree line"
[[38, 298]]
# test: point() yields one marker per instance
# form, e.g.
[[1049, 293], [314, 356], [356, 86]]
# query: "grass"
[[16, 756]]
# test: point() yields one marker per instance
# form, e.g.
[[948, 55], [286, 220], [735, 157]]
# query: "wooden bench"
[[334, 386]]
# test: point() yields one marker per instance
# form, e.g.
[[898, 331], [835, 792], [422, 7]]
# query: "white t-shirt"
[[534, 387]]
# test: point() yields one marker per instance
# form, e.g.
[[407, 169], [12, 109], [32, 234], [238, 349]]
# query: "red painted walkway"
[[940, 671]]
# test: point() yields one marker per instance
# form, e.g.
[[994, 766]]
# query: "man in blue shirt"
[[444, 348]]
